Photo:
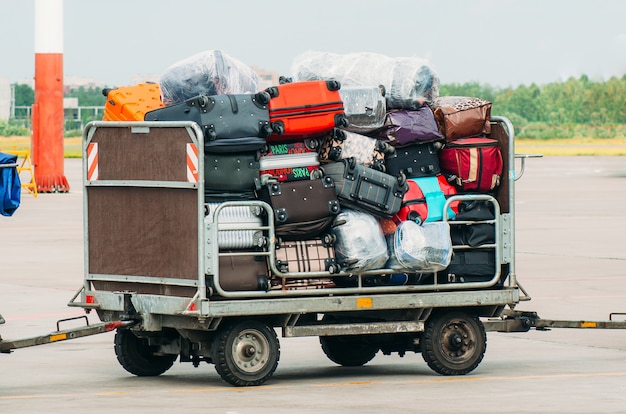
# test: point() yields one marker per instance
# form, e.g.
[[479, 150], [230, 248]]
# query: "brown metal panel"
[[143, 231], [124, 155]]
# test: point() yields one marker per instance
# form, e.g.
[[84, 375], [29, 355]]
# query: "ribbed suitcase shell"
[[238, 219], [305, 109], [289, 167], [130, 103]]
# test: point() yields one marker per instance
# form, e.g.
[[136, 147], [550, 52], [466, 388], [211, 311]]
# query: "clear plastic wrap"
[[408, 81], [211, 72], [415, 248], [365, 107], [360, 243]]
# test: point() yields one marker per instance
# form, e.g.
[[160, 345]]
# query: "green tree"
[[24, 95]]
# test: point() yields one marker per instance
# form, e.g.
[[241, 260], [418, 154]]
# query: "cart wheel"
[[246, 353], [137, 357], [348, 351], [454, 343]]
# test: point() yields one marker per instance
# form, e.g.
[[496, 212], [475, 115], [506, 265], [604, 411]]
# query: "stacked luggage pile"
[[356, 156]]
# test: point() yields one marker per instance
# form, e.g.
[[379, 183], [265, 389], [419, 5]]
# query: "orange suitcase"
[[305, 109], [130, 103]]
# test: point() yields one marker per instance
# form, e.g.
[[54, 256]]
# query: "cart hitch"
[[130, 313]]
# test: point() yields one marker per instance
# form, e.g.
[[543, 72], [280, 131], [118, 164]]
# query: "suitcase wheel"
[[284, 79], [333, 85], [339, 134], [334, 154], [401, 179], [263, 98], [328, 240], [266, 131], [263, 283], [414, 216], [312, 143], [211, 135], [272, 91], [341, 121], [278, 128], [333, 268], [351, 162], [316, 175]]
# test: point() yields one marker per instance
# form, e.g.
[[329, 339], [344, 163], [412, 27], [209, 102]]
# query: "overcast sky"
[[500, 42]]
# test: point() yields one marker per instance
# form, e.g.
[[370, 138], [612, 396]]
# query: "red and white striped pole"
[[48, 116]]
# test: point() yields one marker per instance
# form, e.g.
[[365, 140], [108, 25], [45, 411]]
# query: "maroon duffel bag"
[[475, 164]]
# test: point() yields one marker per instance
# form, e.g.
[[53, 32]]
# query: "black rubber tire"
[[454, 343], [348, 351], [137, 357], [246, 353]]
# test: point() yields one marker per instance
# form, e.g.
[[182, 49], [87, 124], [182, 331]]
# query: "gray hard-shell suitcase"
[[231, 123], [234, 224], [366, 151], [366, 189]]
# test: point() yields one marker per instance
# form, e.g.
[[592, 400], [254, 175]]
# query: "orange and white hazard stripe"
[[92, 161], [192, 163]]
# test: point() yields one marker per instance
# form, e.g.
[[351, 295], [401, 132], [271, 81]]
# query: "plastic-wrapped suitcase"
[[474, 164], [425, 199], [366, 189], [305, 109], [231, 123], [415, 160], [305, 256], [237, 221], [302, 209], [243, 273], [415, 248], [359, 241], [366, 151], [365, 107], [405, 127], [211, 72], [130, 103], [290, 167]]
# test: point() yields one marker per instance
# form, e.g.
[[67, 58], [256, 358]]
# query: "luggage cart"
[[157, 283]]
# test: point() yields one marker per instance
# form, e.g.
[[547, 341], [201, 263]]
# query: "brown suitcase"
[[243, 273], [462, 116]]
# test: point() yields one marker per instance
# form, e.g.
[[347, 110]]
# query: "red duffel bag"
[[472, 164]]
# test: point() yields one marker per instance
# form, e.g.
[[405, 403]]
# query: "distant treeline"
[[574, 108]]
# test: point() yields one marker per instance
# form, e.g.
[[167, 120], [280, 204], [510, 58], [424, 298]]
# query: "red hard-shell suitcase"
[[475, 164], [423, 203], [305, 109], [130, 103]]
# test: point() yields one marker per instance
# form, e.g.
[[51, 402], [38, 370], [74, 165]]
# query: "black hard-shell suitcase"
[[415, 160], [302, 209], [243, 273], [230, 172], [366, 189], [231, 123]]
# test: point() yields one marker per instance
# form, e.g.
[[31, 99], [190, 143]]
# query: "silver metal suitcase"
[[234, 224]]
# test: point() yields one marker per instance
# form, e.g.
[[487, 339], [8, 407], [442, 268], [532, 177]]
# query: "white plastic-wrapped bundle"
[[415, 248], [211, 72], [408, 81], [360, 243]]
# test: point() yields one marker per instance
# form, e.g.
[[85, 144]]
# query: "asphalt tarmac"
[[570, 256]]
